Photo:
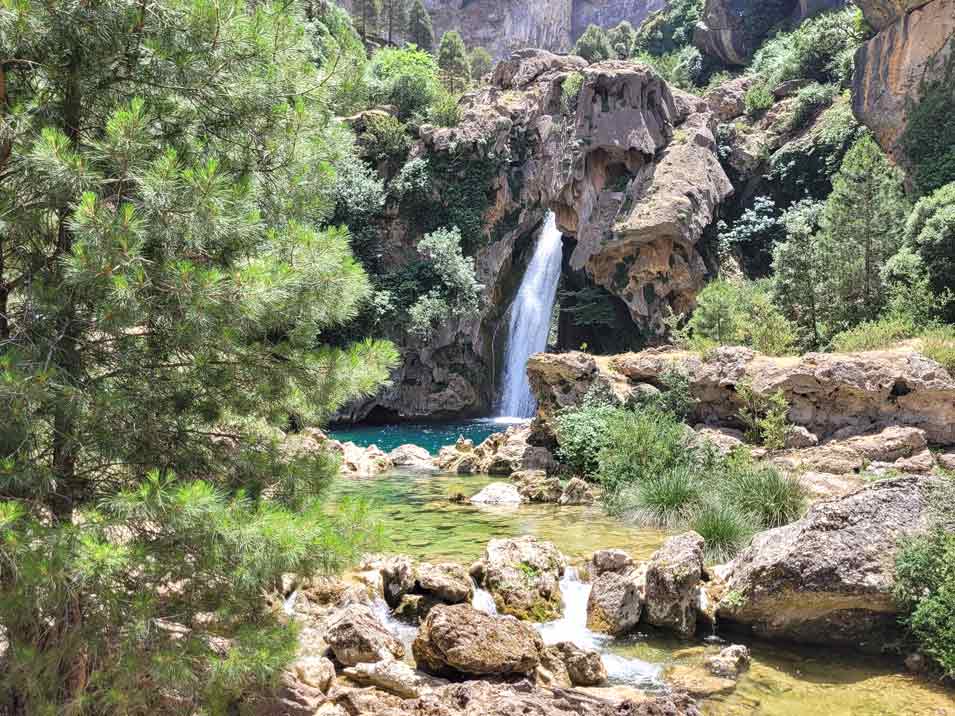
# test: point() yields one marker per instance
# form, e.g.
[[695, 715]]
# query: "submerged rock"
[[827, 578], [674, 573], [729, 663], [577, 492], [523, 575], [536, 486], [697, 681], [461, 640]]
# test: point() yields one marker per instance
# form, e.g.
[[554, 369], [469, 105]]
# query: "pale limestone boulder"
[[355, 635]]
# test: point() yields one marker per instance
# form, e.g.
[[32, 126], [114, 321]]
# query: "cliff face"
[[911, 48], [609, 13], [502, 26], [731, 30], [631, 171]]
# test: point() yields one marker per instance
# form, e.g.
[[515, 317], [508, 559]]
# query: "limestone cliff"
[[630, 168], [731, 30], [609, 13], [833, 395], [911, 48]]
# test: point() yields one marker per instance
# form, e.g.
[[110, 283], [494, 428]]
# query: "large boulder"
[[522, 574], [672, 592], [615, 603], [412, 589], [459, 640], [827, 578], [395, 677], [355, 635], [412, 457], [498, 493], [911, 50]]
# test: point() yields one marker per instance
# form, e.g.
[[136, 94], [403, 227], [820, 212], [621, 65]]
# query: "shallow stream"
[[419, 520]]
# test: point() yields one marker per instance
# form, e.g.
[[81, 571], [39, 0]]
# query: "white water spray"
[[530, 320]]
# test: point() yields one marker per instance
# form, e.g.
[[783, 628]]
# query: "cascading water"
[[529, 326]]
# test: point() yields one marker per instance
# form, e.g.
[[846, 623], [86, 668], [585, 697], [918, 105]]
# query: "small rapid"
[[572, 627], [529, 326]]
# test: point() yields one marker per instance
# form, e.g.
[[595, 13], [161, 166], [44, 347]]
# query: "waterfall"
[[529, 326]]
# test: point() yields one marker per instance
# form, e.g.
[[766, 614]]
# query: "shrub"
[[771, 498], [594, 45], [385, 139], [925, 592], [445, 112], [764, 416], [674, 397], [570, 91], [683, 68], [930, 232], [809, 100], [481, 63], [582, 433], [725, 528], [758, 99], [666, 500], [819, 49], [406, 78], [642, 446], [670, 28]]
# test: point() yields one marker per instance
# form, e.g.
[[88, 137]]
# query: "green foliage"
[[764, 416], [406, 78], [385, 139], [753, 235], [929, 136], [675, 397], [481, 62], [670, 28], [453, 61], [589, 306], [725, 528], [420, 28], [582, 433], [456, 292], [594, 45], [930, 232], [683, 68], [394, 17], [939, 344], [570, 91], [872, 335], [819, 49], [623, 40], [667, 500], [738, 313], [446, 111], [925, 592], [168, 283], [340, 53], [809, 101], [762, 492], [758, 100]]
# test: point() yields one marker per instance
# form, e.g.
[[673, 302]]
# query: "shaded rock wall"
[[608, 13], [890, 68]]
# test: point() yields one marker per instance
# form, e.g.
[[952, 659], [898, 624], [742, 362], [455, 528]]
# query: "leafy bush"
[[623, 40], [930, 232], [820, 49], [594, 45], [446, 111], [683, 68], [385, 138], [925, 592], [457, 292], [674, 397], [670, 28], [809, 100], [758, 99], [570, 91], [582, 433], [763, 415], [406, 78]]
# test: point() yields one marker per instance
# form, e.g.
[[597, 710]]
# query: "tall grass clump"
[[725, 528], [667, 500], [771, 498]]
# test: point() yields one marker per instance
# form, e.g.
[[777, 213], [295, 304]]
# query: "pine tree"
[[164, 176], [394, 17], [420, 29], [367, 14], [594, 45], [453, 61], [481, 62], [863, 223], [799, 268]]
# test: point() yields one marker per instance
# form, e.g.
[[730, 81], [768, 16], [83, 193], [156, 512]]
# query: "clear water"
[[783, 681], [431, 436], [530, 320]]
